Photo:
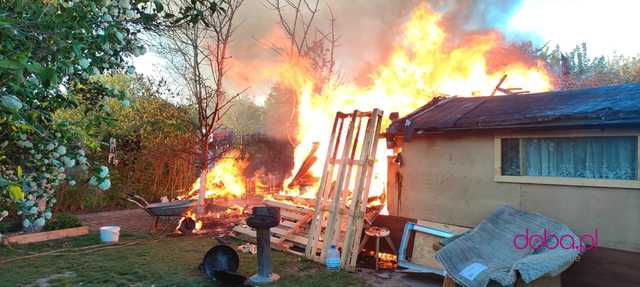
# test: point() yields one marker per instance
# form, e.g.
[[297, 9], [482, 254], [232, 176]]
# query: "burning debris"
[[225, 180], [189, 224], [304, 178], [218, 218], [307, 226]]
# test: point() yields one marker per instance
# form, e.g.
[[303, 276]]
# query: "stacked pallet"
[[291, 234], [342, 202]]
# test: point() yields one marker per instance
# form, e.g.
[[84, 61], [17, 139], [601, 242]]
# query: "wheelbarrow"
[[161, 210]]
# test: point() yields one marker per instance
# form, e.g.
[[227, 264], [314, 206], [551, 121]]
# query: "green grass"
[[147, 262]]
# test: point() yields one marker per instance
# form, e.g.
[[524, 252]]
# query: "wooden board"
[[295, 244], [302, 173], [423, 252], [296, 200], [276, 233], [26, 238], [288, 206]]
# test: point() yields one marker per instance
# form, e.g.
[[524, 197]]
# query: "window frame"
[[568, 181]]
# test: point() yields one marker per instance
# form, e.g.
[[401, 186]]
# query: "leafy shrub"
[[155, 145], [50, 54], [9, 226], [62, 221]]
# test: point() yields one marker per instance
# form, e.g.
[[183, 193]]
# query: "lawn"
[[140, 260]]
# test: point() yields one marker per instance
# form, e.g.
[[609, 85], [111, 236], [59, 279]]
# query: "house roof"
[[610, 105]]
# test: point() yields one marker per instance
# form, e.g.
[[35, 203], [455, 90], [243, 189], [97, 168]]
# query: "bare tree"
[[308, 43], [198, 57], [306, 39]]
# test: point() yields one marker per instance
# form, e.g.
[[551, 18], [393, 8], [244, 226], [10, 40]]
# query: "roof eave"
[[633, 123]]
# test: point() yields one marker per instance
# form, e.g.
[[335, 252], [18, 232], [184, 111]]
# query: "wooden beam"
[[340, 185], [498, 85], [361, 193], [296, 228], [26, 238], [325, 181], [288, 206], [297, 200], [347, 180], [308, 162]]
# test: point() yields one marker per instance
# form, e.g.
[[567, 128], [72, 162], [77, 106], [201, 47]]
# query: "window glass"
[[510, 157], [582, 157]]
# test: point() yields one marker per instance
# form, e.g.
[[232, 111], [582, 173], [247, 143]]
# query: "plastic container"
[[332, 259], [109, 234]]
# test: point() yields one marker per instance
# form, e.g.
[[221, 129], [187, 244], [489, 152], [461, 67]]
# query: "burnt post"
[[262, 219]]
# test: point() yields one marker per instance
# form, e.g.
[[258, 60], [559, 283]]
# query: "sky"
[[367, 29], [607, 26]]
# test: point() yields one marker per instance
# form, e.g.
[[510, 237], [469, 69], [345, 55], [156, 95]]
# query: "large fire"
[[424, 64], [420, 68]]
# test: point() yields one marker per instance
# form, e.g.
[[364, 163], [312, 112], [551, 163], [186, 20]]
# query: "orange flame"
[[225, 179], [385, 256], [191, 216], [422, 66]]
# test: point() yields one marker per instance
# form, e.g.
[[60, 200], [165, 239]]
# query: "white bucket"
[[109, 234]]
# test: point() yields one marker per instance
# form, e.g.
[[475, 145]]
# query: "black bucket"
[[221, 265], [220, 258]]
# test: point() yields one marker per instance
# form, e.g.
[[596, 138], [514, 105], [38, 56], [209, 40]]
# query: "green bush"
[[62, 221], [155, 142], [10, 225]]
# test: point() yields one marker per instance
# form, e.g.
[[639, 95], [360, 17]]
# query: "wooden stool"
[[378, 232]]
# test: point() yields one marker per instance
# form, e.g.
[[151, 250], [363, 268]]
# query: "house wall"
[[450, 179]]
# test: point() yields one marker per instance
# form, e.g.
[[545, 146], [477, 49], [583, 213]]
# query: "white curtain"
[[586, 157]]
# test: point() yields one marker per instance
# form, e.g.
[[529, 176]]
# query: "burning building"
[[425, 64]]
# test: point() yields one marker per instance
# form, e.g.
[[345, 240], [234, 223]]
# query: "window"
[[556, 160]]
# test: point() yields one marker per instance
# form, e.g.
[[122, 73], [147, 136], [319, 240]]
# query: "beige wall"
[[450, 179]]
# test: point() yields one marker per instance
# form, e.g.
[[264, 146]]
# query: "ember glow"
[[426, 63], [385, 257], [189, 216]]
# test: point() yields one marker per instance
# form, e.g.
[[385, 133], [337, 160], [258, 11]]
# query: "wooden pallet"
[[291, 234], [349, 154]]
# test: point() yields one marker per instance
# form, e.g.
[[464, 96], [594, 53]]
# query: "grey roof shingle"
[[610, 105]]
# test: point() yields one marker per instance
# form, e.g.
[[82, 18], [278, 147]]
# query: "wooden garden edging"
[[26, 238]]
